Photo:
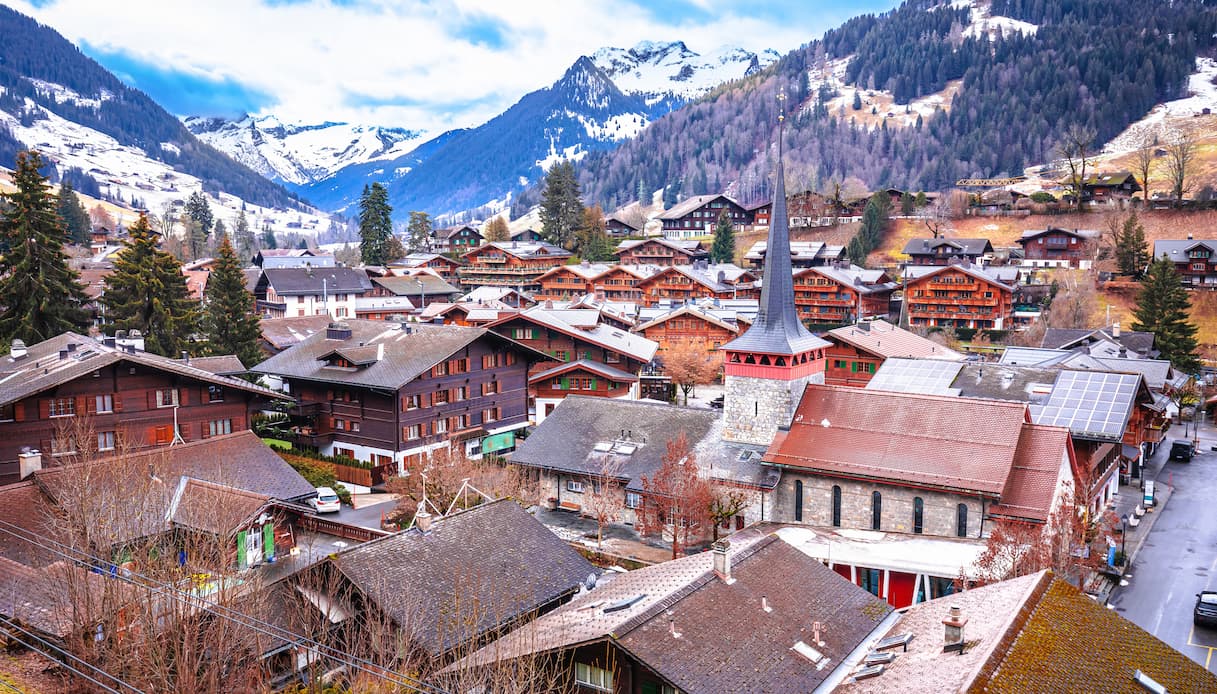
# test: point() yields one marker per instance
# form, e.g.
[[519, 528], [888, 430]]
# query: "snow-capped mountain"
[[665, 70], [300, 153]]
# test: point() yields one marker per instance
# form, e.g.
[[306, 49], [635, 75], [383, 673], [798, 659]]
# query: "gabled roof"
[[800, 250], [487, 294], [1177, 249], [707, 276], [1029, 235], [453, 231], [409, 285], [952, 246], [687, 247], [634, 346], [886, 340], [523, 249], [1095, 405], [223, 365], [918, 273], [728, 642], [213, 508], [586, 365], [622, 220], [704, 313], [1112, 178], [291, 281], [945, 442], [282, 333], [1040, 462], [407, 352], [857, 278], [586, 270], [687, 205], [42, 368], [491, 565], [417, 259], [1136, 342]]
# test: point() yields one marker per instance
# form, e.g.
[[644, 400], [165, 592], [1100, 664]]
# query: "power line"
[[34, 648], [9, 687], [219, 610]]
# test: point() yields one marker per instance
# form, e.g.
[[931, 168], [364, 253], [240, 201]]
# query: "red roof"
[[1037, 470], [947, 442]]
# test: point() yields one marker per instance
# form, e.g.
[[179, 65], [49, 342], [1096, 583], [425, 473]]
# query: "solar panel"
[[1093, 404], [926, 376]]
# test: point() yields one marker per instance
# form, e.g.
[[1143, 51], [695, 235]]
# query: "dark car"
[[1182, 450], [1205, 612], [717, 403]]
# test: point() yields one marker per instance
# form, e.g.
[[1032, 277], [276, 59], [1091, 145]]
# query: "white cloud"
[[395, 63]]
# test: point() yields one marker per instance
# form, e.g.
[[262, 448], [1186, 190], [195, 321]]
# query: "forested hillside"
[[1099, 63], [38, 64]]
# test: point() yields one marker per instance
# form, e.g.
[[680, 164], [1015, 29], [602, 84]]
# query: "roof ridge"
[[988, 667]]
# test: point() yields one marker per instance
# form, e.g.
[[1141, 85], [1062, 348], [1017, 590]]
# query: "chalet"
[[566, 281], [1195, 260], [385, 393], [1053, 247], [454, 580], [1109, 341], [941, 251], [528, 235], [698, 215], [584, 377], [466, 313], [687, 322], [572, 334], [493, 296], [300, 291], [620, 226], [916, 475], [442, 265], [841, 293], [677, 626], [759, 214], [618, 314], [1109, 188], [59, 390], [510, 264], [280, 333], [858, 351], [278, 258], [399, 295], [963, 296], [456, 240], [620, 282], [662, 252], [803, 254], [809, 208], [698, 281]]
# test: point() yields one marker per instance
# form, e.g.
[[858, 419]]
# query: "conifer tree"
[[229, 322], [375, 225], [268, 238], [592, 242], [1132, 250], [75, 217], [723, 248], [42, 296], [497, 230], [243, 236], [561, 205], [147, 292], [1163, 309], [418, 232], [198, 210]]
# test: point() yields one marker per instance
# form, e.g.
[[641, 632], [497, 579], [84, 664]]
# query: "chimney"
[[599, 293], [63, 354], [953, 637], [18, 349], [722, 562], [422, 520], [765, 604], [108, 341], [1189, 236], [338, 331], [672, 625], [1115, 330], [29, 462], [816, 629], [185, 357], [72, 346]]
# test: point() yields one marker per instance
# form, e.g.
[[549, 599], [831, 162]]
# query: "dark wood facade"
[[662, 253], [959, 298], [820, 297], [563, 346], [1058, 246], [699, 216], [506, 265]]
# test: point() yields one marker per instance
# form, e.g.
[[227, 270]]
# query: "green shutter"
[[268, 541], [565, 383], [241, 534], [536, 333], [853, 367], [593, 382]]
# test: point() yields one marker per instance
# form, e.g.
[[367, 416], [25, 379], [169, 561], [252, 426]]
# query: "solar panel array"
[[1090, 403], [925, 376]]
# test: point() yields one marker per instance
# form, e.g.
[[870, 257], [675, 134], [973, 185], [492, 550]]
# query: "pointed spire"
[[777, 329]]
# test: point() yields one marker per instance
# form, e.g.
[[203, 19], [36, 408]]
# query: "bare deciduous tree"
[[1143, 162], [1075, 303], [1075, 149], [691, 363], [605, 502], [676, 499], [726, 503], [1180, 157], [938, 215]]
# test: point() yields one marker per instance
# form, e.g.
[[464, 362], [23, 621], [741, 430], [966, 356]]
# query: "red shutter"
[[204, 430], [151, 439], [425, 399], [19, 411], [118, 402], [44, 408], [82, 403], [91, 405], [181, 396], [151, 399]]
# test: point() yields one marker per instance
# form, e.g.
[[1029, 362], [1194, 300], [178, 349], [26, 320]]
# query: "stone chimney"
[[953, 636], [18, 349], [1115, 330], [598, 292], [29, 462], [722, 561], [422, 520]]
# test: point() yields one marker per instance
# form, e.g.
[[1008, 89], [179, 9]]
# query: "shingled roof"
[[492, 565], [886, 340], [970, 248], [291, 281]]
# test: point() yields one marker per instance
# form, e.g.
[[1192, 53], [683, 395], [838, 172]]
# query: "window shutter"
[[565, 383], [853, 367], [91, 405], [425, 399], [44, 408], [593, 382], [19, 411], [241, 538], [82, 403], [118, 402], [205, 430], [268, 540]]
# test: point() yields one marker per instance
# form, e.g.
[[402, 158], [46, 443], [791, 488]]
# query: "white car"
[[326, 501]]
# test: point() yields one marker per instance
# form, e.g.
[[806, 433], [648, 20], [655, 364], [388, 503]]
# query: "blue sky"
[[429, 64]]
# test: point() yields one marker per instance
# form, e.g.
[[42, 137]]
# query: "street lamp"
[[423, 292], [1124, 538]]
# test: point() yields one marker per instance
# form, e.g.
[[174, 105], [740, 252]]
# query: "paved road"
[[366, 517], [1179, 558]]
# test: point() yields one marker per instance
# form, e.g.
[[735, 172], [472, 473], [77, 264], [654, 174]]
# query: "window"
[[414, 431], [490, 415], [594, 677], [105, 440], [166, 397], [441, 426], [798, 501], [354, 426], [840, 364], [573, 486], [104, 403], [876, 510], [7, 413], [63, 445], [490, 388], [633, 499], [340, 424], [836, 506], [918, 515], [62, 407], [440, 369], [961, 520], [219, 427], [440, 397], [412, 402], [460, 393], [460, 421]]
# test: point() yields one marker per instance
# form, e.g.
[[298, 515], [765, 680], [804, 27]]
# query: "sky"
[[427, 65]]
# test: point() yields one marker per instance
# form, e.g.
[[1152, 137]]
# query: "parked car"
[[1183, 450], [717, 403], [326, 501], [1205, 612]]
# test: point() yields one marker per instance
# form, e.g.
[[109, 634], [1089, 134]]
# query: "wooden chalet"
[[567, 335], [1054, 247], [1105, 187], [441, 265], [759, 214], [698, 216], [620, 282], [456, 240], [941, 251], [858, 351], [400, 295], [619, 226], [698, 281], [528, 235], [569, 281], [803, 254], [662, 252], [687, 322], [57, 391], [841, 293], [511, 264], [551, 383], [1195, 259], [960, 295]]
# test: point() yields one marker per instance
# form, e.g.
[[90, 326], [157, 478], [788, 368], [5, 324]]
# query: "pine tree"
[[1132, 250], [1163, 309], [198, 210], [229, 322], [375, 225], [592, 242], [268, 238], [496, 230], [221, 232], [906, 204], [561, 205], [42, 296], [418, 232], [75, 216], [723, 248], [244, 237], [147, 292]]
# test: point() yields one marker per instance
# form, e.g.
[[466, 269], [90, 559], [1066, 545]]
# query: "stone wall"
[[938, 515], [754, 408]]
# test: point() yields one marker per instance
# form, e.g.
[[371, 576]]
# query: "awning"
[[465, 434], [499, 442], [1130, 452]]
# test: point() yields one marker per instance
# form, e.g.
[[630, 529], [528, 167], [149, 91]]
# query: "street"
[[1179, 557], [367, 516]]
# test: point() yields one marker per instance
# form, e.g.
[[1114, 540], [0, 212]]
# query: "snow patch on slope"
[[659, 70], [1202, 94]]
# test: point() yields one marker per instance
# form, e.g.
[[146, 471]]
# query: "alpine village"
[[887, 364]]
